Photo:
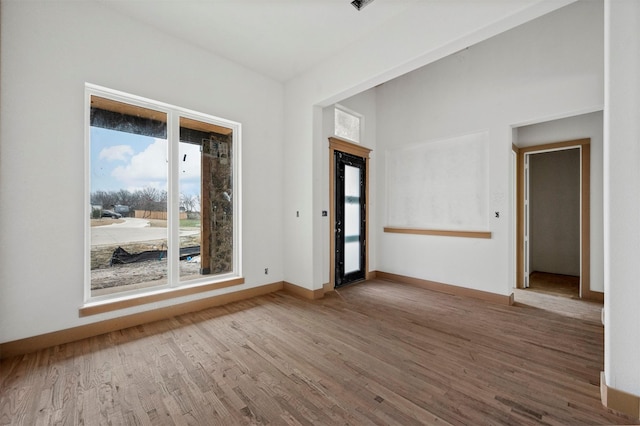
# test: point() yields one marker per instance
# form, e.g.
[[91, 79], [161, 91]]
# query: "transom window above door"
[[347, 124]]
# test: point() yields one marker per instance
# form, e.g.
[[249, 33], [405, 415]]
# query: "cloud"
[[116, 153], [147, 168]]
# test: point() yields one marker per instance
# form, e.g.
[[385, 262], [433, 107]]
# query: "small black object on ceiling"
[[359, 4]]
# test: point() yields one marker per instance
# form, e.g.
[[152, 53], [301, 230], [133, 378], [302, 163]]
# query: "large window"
[[162, 192]]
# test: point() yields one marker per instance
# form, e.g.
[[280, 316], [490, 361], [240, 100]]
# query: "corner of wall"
[[618, 400]]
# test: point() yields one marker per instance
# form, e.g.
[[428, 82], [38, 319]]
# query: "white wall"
[[49, 50], [426, 32], [571, 128], [621, 195], [550, 67]]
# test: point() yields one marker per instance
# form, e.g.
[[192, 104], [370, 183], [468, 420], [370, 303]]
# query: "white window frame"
[[173, 202], [355, 114]]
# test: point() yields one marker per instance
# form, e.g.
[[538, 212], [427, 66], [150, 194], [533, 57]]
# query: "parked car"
[[111, 214]]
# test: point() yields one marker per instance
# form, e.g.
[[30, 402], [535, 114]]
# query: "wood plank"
[[377, 352], [203, 126], [438, 232]]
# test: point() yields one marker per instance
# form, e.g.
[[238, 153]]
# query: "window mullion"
[[173, 223]]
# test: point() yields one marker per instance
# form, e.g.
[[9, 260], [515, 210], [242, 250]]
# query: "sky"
[[122, 160]]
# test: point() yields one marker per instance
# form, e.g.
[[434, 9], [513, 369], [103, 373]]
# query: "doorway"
[[524, 213], [554, 221], [348, 207]]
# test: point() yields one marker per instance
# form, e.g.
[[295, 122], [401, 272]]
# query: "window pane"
[[206, 194], [351, 256], [128, 149], [347, 125], [351, 219]]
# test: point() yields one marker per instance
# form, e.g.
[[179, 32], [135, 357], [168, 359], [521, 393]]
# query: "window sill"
[[142, 299]]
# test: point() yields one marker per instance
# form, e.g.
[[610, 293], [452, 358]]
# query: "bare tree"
[[189, 202], [152, 199], [106, 199], [125, 197]]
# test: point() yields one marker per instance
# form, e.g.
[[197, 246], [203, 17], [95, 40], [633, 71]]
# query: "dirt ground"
[[153, 272], [105, 277], [144, 274]]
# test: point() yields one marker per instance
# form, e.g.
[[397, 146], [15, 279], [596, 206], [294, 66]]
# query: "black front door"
[[350, 214]]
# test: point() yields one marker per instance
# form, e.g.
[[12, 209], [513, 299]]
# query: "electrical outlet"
[[266, 271]]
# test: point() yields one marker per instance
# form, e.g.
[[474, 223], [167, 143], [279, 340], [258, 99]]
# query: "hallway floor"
[[559, 285], [558, 294]]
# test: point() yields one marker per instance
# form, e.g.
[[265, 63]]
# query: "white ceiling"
[[283, 38], [278, 38]]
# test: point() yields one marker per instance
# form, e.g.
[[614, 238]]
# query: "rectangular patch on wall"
[[441, 184]]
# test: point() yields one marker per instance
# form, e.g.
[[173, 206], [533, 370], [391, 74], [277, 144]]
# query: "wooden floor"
[[372, 353], [555, 284]]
